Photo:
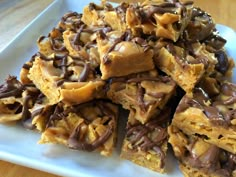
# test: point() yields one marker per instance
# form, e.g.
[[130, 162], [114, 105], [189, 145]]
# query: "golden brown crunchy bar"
[[162, 18], [211, 117], [146, 144], [144, 94], [119, 50], [200, 158], [72, 80], [16, 100], [186, 68], [89, 126]]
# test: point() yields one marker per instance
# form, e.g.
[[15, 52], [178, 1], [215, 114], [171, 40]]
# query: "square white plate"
[[20, 146]]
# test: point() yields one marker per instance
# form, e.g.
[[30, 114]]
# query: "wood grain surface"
[[15, 15]]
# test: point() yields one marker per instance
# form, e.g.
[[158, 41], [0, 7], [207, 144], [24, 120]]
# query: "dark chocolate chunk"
[[223, 63]]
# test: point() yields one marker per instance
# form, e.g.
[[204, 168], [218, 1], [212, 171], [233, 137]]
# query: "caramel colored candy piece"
[[119, 57], [90, 126], [200, 158], [144, 94], [186, 70], [73, 82], [16, 100], [160, 18], [11, 100], [105, 15], [146, 144], [210, 117]]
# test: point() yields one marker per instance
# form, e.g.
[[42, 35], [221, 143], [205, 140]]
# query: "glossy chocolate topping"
[[213, 160], [215, 40], [26, 115], [142, 42], [212, 111], [58, 112], [151, 135], [11, 87], [75, 143], [201, 25], [84, 74], [77, 43], [61, 62], [223, 63], [57, 45], [71, 20], [68, 15]]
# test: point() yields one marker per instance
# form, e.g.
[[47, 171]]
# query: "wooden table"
[[15, 15]]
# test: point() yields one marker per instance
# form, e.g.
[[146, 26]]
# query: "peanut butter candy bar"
[[89, 126], [144, 94], [146, 144], [200, 158], [211, 117]]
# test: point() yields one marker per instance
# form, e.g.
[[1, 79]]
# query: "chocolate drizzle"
[[57, 114], [201, 25], [57, 45], [84, 74], [26, 115], [146, 14], [11, 87], [61, 62], [211, 110], [71, 20], [68, 15], [140, 79], [77, 43], [142, 42], [151, 135], [213, 160], [223, 63], [41, 38], [75, 142]]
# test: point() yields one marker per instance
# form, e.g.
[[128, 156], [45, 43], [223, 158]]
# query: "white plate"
[[19, 146]]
